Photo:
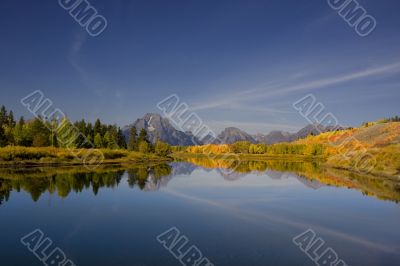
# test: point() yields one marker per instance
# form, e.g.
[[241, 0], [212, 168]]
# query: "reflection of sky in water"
[[249, 221]]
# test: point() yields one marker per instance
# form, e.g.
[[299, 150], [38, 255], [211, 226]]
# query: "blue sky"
[[235, 63]]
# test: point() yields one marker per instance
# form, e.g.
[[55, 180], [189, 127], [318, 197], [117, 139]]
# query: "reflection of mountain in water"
[[277, 175], [311, 183], [231, 176], [182, 168]]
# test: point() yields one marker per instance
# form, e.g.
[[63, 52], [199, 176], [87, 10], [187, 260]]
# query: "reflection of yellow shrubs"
[[209, 163], [380, 187], [247, 166]]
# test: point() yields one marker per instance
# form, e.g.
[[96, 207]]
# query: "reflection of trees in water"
[[149, 178], [276, 169], [158, 176], [309, 173], [62, 181], [38, 181], [5, 190], [247, 166]]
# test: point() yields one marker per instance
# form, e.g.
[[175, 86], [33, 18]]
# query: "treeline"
[[39, 132], [385, 120], [139, 142], [244, 147], [393, 119]]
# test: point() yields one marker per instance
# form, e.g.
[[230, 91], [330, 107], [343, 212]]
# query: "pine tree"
[[89, 132], [98, 141], [110, 139], [11, 121], [143, 142], [144, 147], [97, 127], [3, 115], [40, 134], [113, 144], [143, 136], [8, 132], [132, 143], [66, 134], [3, 120], [21, 134], [3, 138], [107, 140], [21, 121], [52, 125], [162, 148], [80, 141], [121, 142]]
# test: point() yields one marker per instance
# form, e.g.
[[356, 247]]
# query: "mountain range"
[[160, 128]]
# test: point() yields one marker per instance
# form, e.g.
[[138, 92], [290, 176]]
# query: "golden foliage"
[[375, 147]]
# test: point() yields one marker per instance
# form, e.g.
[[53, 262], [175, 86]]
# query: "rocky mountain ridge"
[[160, 128]]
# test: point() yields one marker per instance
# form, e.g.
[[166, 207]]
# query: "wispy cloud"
[[91, 81], [74, 53], [237, 106], [241, 100], [234, 101], [256, 127], [322, 83]]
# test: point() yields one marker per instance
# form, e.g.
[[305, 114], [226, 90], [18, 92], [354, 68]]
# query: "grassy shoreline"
[[14, 156], [49, 156]]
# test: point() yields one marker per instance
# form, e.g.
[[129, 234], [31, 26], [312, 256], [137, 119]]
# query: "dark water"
[[247, 217]]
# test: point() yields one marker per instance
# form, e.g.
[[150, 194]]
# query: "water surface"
[[248, 216]]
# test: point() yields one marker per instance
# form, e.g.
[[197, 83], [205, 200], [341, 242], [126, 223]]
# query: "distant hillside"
[[372, 136], [376, 144]]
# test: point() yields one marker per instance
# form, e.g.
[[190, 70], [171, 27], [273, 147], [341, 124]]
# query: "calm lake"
[[243, 216]]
